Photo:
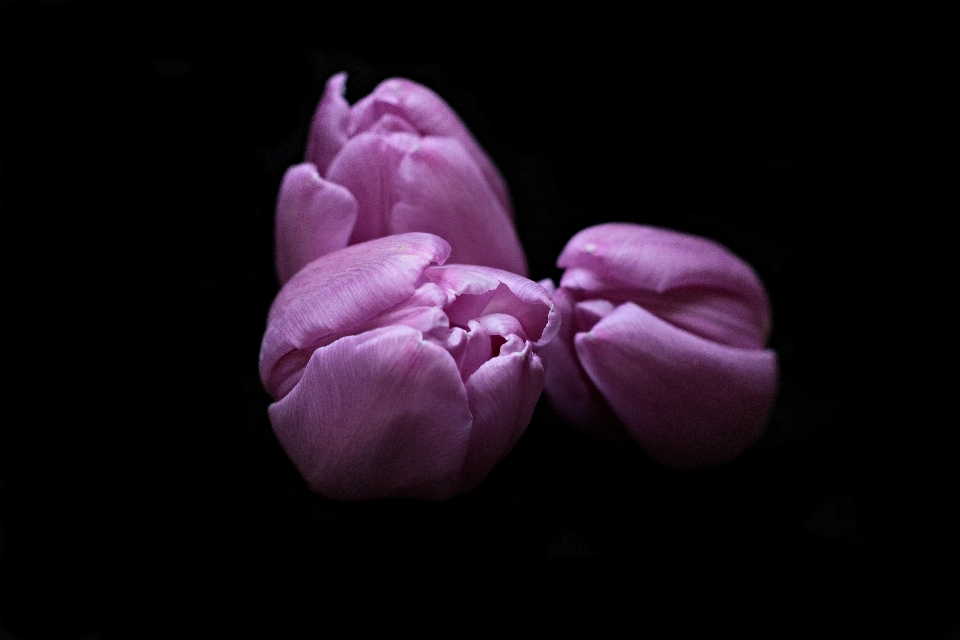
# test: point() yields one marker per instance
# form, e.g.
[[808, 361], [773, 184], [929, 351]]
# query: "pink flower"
[[399, 160], [663, 338], [395, 376]]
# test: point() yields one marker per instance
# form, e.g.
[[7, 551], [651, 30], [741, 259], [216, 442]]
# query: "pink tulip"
[[662, 338], [399, 160], [395, 376]]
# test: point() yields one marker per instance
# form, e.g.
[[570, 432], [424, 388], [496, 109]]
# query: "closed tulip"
[[395, 376], [397, 161], [662, 339]]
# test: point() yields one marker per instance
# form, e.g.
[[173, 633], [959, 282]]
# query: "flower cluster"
[[407, 349]]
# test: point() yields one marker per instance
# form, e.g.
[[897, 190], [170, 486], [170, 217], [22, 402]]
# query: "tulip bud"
[[662, 338], [399, 160], [397, 377]]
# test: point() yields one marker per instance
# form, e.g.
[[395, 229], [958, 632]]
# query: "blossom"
[[662, 338], [394, 376], [397, 161]]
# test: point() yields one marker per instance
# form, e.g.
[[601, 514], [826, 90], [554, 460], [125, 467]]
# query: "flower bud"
[[395, 376], [399, 160], [662, 338]]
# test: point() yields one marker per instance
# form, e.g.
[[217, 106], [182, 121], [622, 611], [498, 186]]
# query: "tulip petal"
[[570, 392], [482, 290], [503, 394], [391, 123], [589, 312], [328, 129], [382, 414], [690, 281], [367, 166], [688, 401], [341, 291], [501, 324], [431, 116], [314, 217], [439, 189], [474, 351]]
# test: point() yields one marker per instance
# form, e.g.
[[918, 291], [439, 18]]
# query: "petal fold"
[[484, 290]]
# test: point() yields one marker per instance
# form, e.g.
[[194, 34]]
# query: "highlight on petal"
[[688, 401], [692, 281], [440, 189], [328, 129], [503, 393], [381, 414], [314, 217], [343, 290]]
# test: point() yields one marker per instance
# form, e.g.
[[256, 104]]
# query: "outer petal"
[[339, 292], [382, 414], [687, 400], [431, 116], [481, 290], [571, 393], [694, 282], [328, 130], [503, 394], [314, 217], [440, 189]]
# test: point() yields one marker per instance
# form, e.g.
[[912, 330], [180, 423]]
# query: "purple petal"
[[589, 312], [328, 130], [431, 116], [501, 324], [503, 394], [481, 290], [439, 189], [382, 414], [692, 282], [570, 392], [367, 166], [339, 292], [688, 401], [472, 350], [314, 217]]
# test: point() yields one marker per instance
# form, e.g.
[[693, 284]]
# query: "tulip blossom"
[[397, 161], [395, 376], [662, 339]]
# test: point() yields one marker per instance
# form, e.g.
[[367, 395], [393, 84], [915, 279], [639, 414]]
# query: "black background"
[[143, 493]]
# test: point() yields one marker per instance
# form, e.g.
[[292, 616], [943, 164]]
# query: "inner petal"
[[589, 312], [501, 324], [392, 123], [476, 351]]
